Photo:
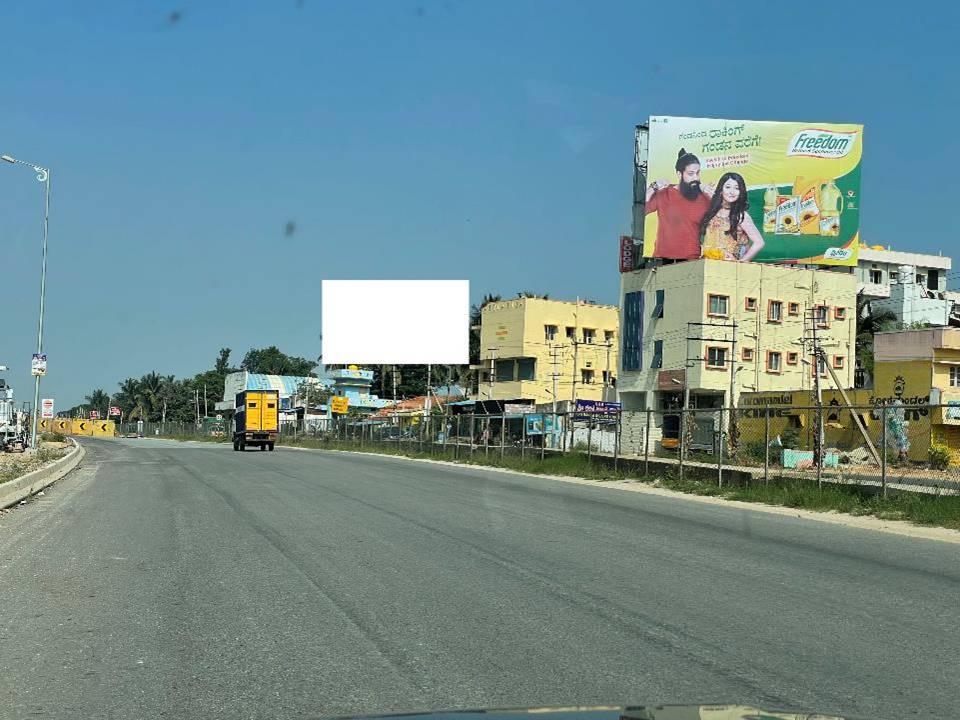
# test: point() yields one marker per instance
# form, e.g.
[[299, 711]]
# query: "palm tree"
[[99, 400], [147, 398], [868, 324]]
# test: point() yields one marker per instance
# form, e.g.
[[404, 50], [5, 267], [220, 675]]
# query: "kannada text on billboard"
[[745, 190]]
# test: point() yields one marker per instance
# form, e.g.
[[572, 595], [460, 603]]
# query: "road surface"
[[185, 580]]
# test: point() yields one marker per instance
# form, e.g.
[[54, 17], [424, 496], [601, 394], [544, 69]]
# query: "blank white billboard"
[[396, 322]]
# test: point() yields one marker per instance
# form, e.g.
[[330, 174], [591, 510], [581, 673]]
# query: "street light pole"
[[43, 175]]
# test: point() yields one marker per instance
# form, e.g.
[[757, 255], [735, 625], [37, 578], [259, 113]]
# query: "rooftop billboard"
[[747, 190]]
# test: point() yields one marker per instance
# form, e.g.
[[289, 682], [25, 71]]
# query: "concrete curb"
[[14, 491]]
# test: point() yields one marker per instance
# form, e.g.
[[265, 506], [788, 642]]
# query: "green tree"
[[869, 323], [272, 361]]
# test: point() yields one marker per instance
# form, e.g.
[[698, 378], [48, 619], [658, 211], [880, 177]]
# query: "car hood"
[[616, 712]]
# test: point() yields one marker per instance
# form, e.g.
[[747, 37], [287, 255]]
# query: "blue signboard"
[[538, 423], [597, 409]]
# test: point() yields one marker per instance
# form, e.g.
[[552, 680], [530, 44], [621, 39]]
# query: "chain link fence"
[[904, 448]]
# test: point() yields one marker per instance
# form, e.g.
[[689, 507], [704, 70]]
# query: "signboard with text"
[[38, 364], [339, 405], [46, 408]]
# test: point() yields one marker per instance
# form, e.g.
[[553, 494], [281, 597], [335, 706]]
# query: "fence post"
[[682, 438], [523, 440], [473, 418], [420, 434], [456, 446], [646, 443], [766, 445], [446, 431], [486, 439], [616, 441], [720, 449], [503, 430], [883, 456], [591, 418], [543, 434], [563, 434]]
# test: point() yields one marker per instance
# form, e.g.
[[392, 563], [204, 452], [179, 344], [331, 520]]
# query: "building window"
[[588, 335], [632, 334], [571, 333], [748, 354], [504, 370], [657, 361], [527, 369], [717, 305], [608, 336], [550, 332], [608, 378], [876, 277], [793, 308], [586, 377], [933, 280], [716, 357], [838, 362], [750, 304], [840, 313], [921, 279], [955, 376], [793, 358], [821, 315], [773, 361], [775, 311], [658, 307]]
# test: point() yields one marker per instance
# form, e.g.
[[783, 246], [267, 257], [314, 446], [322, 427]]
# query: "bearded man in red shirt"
[[679, 208]]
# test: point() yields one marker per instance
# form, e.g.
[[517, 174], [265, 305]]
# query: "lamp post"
[[43, 175]]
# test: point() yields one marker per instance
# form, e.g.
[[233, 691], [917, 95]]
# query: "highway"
[[185, 580]]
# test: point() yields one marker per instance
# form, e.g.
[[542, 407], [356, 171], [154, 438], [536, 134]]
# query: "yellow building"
[[917, 368], [545, 350], [748, 319]]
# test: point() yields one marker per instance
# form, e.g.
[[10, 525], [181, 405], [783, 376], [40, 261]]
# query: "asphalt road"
[[189, 581]]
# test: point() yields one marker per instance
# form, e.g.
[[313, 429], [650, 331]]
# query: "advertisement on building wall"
[[746, 190]]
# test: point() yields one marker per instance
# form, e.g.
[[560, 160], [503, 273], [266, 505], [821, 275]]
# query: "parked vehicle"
[[257, 419]]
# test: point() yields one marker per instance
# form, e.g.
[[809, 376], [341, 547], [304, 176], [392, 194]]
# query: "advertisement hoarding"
[[38, 364], [791, 189], [339, 405], [115, 411]]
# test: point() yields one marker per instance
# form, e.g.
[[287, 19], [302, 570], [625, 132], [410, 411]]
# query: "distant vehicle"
[[257, 419]]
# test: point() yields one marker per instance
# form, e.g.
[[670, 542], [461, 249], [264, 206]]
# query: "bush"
[[939, 456]]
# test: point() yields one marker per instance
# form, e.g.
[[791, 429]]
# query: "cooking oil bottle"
[[770, 209], [831, 205]]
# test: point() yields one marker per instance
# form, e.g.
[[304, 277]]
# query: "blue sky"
[[483, 140]]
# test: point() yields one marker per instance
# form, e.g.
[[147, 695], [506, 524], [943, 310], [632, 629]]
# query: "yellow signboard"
[[339, 405]]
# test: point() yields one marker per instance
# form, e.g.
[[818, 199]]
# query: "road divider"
[[13, 491]]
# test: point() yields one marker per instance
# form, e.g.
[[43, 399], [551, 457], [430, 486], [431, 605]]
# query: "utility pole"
[[493, 369], [573, 392], [553, 358], [426, 402], [815, 355], [205, 413], [196, 396], [395, 415], [607, 383]]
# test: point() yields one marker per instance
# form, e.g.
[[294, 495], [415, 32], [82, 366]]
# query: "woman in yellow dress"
[[727, 231]]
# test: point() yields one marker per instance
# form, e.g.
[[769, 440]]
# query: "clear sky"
[[404, 139]]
